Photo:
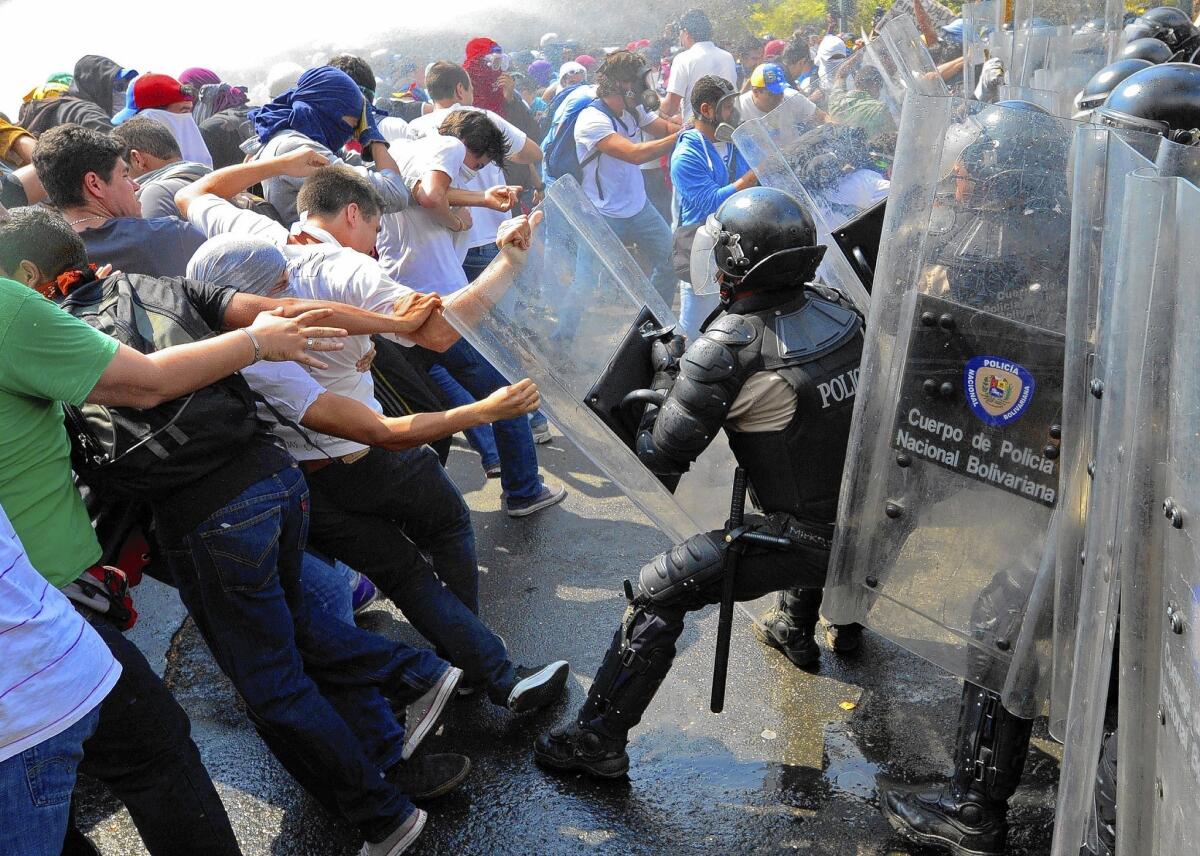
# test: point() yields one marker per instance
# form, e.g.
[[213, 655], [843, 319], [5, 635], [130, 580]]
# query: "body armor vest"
[[816, 346]]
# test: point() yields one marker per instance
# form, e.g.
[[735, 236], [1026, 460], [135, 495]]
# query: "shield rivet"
[[1175, 618], [1056, 432], [893, 510], [1173, 512], [1158, 786], [947, 390], [1050, 453], [1083, 557], [946, 322], [1002, 644], [1096, 387], [928, 319], [872, 582], [930, 386], [903, 460], [1162, 716], [1091, 469]]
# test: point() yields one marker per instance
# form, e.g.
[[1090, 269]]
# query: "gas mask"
[[724, 131], [641, 92]]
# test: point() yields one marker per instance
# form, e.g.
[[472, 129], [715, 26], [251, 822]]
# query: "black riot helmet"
[[760, 238], [1163, 99], [1014, 156], [1171, 25], [1106, 79], [1150, 49]]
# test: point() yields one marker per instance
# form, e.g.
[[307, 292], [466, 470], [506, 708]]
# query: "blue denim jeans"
[[329, 585], [651, 233], [693, 309], [398, 518], [514, 438], [35, 791], [482, 438], [313, 685]]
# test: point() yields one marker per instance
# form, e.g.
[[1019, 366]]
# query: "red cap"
[[151, 91], [775, 47]]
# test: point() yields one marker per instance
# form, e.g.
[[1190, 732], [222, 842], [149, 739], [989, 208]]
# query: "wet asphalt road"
[[790, 767]]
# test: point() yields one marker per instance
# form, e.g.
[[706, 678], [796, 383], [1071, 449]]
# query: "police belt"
[[794, 534]]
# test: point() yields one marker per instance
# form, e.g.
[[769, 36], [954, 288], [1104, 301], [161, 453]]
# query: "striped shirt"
[[54, 668]]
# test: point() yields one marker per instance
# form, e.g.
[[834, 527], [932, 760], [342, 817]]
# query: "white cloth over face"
[[185, 131], [247, 263]]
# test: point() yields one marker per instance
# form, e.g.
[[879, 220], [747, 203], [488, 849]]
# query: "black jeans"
[[398, 518], [143, 750]]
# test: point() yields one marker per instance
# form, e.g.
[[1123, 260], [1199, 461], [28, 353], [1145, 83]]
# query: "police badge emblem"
[[998, 390]]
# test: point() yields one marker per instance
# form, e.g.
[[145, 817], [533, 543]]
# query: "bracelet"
[[253, 341]]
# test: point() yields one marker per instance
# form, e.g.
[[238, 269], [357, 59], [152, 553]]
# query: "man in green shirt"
[[142, 747]]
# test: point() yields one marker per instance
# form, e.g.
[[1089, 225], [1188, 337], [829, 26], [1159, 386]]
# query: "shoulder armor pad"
[[732, 330], [708, 361], [815, 329]]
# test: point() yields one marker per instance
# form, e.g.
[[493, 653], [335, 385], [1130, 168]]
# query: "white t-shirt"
[[614, 186], [803, 109], [414, 248], [694, 63], [324, 271], [393, 129], [854, 194], [484, 221], [55, 667]]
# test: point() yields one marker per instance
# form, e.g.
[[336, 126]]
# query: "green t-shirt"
[[46, 357]]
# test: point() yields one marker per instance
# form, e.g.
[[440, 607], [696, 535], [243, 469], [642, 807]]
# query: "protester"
[[394, 516], [156, 164], [699, 57], [322, 113], [59, 671], [87, 179], [96, 81], [482, 64], [768, 88], [705, 172], [230, 510], [609, 149]]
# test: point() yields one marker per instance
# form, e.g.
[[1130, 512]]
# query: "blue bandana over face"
[[314, 107]]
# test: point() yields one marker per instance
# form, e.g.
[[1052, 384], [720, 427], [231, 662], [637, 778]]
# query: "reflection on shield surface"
[[578, 318], [945, 542]]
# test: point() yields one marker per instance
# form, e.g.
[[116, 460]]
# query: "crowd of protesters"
[[224, 363]]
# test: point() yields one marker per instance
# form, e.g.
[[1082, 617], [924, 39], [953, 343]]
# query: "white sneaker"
[[524, 507], [400, 840], [428, 709]]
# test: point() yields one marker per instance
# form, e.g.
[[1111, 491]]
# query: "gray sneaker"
[[400, 840], [541, 433], [524, 507], [425, 711]]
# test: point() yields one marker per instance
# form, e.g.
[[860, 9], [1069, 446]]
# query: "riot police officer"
[[777, 367], [1008, 204]]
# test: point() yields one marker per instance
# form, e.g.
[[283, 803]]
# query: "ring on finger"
[[308, 344]]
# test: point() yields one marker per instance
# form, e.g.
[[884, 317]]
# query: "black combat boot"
[[640, 656], [969, 815], [791, 625]]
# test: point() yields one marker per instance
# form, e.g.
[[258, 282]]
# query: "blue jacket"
[[702, 178]]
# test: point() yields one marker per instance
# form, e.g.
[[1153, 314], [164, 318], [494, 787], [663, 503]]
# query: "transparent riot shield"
[[943, 536], [1108, 301], [579, 317], [839, 170], [1158, 768], [1102, 160], [981, 24]]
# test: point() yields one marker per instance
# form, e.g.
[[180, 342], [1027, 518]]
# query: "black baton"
[[737, 511]]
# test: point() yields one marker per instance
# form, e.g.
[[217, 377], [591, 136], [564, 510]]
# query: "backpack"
[[561, 157], [150, 454]]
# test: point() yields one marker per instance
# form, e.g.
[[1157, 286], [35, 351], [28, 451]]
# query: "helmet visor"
[[704, 259]]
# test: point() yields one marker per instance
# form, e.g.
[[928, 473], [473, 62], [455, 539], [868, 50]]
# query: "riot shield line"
[[839, 171], [579, 317], [981, 25], [947, 501], [1158, 767], [1108, 302], [1101, 159]]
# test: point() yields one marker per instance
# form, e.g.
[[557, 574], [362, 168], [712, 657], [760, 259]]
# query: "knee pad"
[[681, 569]]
